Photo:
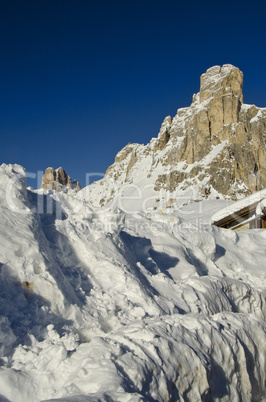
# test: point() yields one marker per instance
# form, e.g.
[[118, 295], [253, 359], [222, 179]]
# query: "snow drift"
[[108, 306]]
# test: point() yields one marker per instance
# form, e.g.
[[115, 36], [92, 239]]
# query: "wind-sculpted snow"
[[100, 305]]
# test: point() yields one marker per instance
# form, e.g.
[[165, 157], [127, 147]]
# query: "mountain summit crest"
[[215, 148]]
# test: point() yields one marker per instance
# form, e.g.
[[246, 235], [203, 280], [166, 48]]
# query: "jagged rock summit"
[[215, 148], [58, 180]]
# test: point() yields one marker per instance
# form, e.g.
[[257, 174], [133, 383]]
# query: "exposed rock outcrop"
[[58, 180], [164, 134], [221, 137]]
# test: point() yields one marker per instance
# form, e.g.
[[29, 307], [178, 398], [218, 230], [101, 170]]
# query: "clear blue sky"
[[80, 79]]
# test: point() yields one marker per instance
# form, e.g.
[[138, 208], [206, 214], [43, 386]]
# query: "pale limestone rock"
[[164, 134], [216, 115], [58, 180], [216, 143], [133, 160], [48, 178], [222, 86], [124, 153], [223, 81]]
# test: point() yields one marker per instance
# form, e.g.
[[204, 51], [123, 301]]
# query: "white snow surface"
[[103, 305]]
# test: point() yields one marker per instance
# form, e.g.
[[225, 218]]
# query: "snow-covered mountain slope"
[[99, 304], [214, 148]]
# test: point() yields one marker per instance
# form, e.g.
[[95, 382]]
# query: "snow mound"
[[99, 304]]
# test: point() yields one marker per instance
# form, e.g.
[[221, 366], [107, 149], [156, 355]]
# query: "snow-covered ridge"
[[99, 304], [215, 148]]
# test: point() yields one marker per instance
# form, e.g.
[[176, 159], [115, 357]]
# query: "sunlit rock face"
[[57, 180], [223, 140], [215, 148]]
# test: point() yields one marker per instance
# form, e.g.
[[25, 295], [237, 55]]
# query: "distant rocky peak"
[[58, 180]]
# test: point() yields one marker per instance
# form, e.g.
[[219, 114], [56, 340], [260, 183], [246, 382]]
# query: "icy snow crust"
[[100, 305]]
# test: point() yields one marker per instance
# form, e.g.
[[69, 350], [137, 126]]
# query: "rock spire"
[[58, 180]]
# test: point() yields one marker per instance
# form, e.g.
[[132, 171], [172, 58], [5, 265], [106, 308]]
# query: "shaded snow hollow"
[[108, 306]]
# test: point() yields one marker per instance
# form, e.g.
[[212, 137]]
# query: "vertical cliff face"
[[213, 148], [216, 106], [58, 180], [219, 123], [222, 86]]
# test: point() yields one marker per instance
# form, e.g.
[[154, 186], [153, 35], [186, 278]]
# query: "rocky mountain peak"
[[58, 180], [219, 100], [223, 81], [216, 147]]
